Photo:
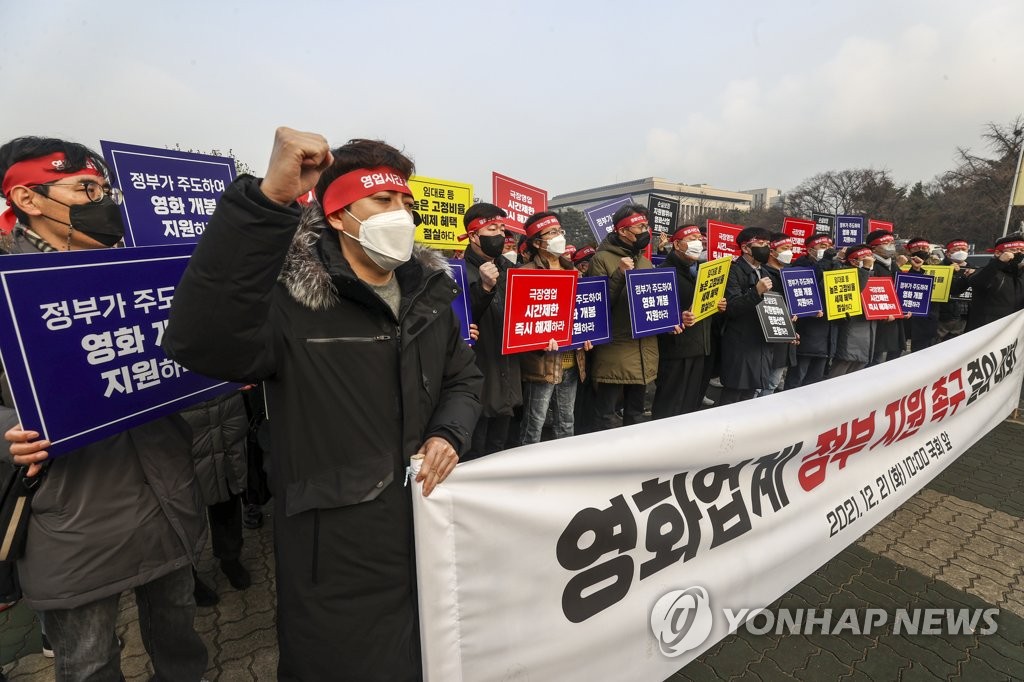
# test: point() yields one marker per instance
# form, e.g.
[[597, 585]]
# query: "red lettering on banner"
[[835, 445]]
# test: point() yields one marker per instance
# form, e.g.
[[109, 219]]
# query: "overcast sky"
[[562, 95]]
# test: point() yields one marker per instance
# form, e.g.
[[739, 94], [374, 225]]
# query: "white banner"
[[611, 556]]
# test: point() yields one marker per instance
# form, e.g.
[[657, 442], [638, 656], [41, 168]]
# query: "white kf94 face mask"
[[387, 238]]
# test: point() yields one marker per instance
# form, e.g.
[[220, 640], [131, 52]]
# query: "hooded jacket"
[[112, 515], [625, 360], [352, 389], [998, 291]]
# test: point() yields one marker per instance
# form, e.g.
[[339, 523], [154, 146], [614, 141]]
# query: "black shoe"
[[236, 573], [252, 518], [204, 594]]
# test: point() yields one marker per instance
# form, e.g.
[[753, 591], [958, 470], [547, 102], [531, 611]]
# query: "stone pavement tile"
[[767, 669], [977, 670], [823, 666]]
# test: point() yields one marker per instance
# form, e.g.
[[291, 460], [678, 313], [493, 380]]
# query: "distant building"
[[766, 197], [694, 200]]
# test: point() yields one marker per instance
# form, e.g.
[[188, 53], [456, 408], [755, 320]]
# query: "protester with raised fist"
[[623, 368], [123, 513], [998, 288], [351, 330], [922, 329], [953, 313], [486, 230]]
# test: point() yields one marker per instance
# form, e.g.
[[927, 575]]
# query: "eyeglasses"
[[551, 234], [93, 190]]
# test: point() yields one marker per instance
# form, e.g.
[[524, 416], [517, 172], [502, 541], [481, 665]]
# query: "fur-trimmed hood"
[[305, 276]]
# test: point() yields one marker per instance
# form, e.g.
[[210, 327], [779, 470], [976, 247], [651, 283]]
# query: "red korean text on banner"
[[879, 225], [722, 239], [799, 229], [880, 300], [538, 308], [517, 198]]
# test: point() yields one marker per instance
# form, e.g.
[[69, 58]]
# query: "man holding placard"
[[549, 376], [486, 229], [779, 256], [924, 329], [746, 356], [890, 338], [124, 512], [817, 333], [855, 335], [624, 367], [953, 313], [684, 359]]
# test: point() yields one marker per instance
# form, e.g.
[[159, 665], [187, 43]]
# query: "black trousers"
[[489, 436], [607, 397], [808, 370], [680, 386], [226, 528], [736, 395]]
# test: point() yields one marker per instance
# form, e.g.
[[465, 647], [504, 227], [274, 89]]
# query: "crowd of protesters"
[[346, 328]]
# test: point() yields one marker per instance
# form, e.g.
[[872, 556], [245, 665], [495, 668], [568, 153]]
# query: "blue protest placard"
[[801, 289], [849, 230], [461, 303], [600, 217], [914, 292], [80, 337], [169, 196], [653, 301], [590, 319]]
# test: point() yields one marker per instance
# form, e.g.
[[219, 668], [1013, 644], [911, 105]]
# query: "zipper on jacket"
[[350, 339], [316, 543]]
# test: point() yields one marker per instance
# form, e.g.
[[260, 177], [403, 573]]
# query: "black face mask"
[[642, 240], [1013, 264], [100, 220], [760, 253], [923, 255], [492, 245]]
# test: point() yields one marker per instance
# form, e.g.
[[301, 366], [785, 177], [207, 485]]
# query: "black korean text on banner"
[[539, 306], [519, 200], [93, 320], [824, 223], [773, 314], [664, 213]]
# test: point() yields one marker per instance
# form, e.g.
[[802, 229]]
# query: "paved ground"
[[959, 542]]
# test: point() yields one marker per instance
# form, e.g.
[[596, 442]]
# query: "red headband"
[[631, 220], [362, 182], [684, 232], [953, 244], [37, 171], [862, 252], [782, 242], [884, 239], [820, 239], [480, 223], [918, 242], [544, 223], [509, 239], [583, 254], [569, 250], [1010, 245]]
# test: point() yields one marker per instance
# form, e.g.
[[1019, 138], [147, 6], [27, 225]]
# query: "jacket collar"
[[315, 270]]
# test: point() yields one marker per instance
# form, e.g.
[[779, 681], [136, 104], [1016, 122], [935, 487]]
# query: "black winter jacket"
[[998, 291], [352, 391], [696, 340]]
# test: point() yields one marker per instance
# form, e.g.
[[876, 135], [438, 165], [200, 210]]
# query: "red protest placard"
[[879, 225], [879, 299], [722, 239], [518, 199], [799, 229], [538, 307]]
